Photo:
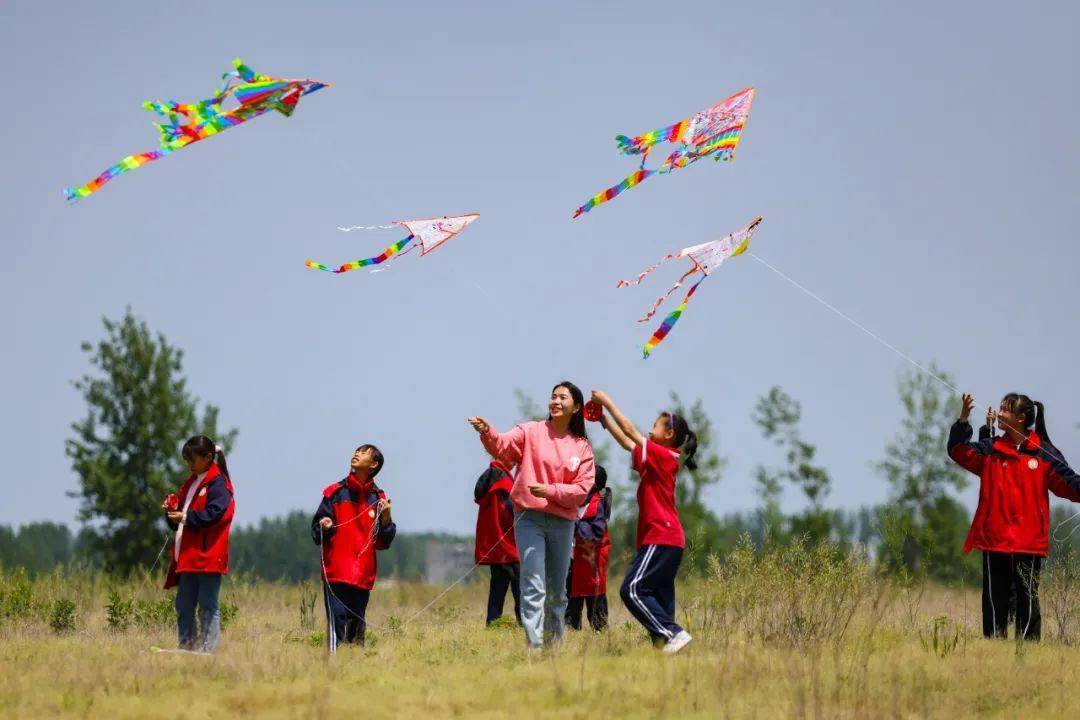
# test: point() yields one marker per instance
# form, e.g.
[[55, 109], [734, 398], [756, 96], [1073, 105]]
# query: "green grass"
[[795, 633]]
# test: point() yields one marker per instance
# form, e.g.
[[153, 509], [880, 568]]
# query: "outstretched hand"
[[479, 424], [967, 404], [601, 397]]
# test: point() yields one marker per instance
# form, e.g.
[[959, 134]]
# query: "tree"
[[126, 450], [778, 415], [924, 524]]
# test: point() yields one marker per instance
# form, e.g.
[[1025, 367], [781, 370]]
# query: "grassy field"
[[789, 634]]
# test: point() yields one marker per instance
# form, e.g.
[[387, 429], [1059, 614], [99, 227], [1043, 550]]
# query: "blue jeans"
[[201, 588], [545, 544]]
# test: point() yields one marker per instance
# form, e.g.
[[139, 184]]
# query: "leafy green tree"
[[778, 415], [924, 526], [126, 451]]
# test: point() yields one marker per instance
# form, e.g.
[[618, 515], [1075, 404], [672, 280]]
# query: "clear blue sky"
[[919, 167]]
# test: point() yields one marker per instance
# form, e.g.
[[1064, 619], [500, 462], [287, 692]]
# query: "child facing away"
[[592, 549], [352, 522], [495, 546], [1017, 470], [201, 512], [648, 591]]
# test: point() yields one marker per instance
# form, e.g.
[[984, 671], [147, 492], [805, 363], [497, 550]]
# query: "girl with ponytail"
[[648, 591], [1017, 470], [201, 512]]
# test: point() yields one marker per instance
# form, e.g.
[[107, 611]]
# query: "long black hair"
[[685, 438], [1032, 410], [205, 447], [577, 420]]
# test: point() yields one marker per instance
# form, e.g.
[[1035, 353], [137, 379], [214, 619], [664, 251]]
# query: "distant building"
[[445, 562]]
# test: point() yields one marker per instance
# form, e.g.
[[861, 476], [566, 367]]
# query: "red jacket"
[[495, 517], [1014, 505], [592, 547], [348, 548], [204, 539]]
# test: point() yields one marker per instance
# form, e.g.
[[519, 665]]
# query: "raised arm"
[[616, 432], [505, 446], [623, 423]]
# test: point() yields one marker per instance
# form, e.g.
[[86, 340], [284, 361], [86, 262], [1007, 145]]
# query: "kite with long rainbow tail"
[[706, 258], [714, 132], [256, 94], [430, 232]]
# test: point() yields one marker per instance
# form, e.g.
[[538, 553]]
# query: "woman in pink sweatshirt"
[[555, 473]]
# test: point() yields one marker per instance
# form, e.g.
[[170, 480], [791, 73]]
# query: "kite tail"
[[646, 271], [642, 143], [131, 162], [388, 254], [600, 198], [665, 296], [669, 321]]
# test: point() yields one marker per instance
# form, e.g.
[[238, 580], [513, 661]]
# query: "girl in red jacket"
[[1016, 472], [495, 546], [202, 513], [592, 549], [351, 523]]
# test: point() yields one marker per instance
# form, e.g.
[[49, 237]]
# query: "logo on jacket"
[[574, 463], [1033, 463]]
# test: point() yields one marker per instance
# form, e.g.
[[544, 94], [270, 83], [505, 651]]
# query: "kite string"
[[854, 322], [1048, 449]]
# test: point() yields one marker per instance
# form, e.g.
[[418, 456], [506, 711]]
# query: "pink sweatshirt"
[[563, 463]]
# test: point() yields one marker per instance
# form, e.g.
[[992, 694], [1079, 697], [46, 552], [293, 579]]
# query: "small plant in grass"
[[154, 613], [62, 617], [119, 613], [228, 614], [943, 637], [503, 622], [317, 639], [308, 596], [395, 624], [19, 598]]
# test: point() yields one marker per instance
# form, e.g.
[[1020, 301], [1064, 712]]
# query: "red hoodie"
[[592, 547], [495, 517], [348, 548], [1014, 505]]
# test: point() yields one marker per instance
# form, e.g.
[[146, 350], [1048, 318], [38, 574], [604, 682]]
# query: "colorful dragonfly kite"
[[706, 258], [431, 233], [715, 132], [190, 123]]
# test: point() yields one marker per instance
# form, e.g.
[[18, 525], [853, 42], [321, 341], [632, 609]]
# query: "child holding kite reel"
[[1017, 470], [351, 523], [201, 512]]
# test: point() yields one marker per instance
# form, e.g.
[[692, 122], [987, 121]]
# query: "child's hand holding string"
[[383, 508], [991, 416], [326, 523]]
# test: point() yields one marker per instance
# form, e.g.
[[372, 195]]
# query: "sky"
[[917, 166]]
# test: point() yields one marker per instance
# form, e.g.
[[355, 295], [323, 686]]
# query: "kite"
[[706, 258], [256, 94], [431, 232], [715, 132]]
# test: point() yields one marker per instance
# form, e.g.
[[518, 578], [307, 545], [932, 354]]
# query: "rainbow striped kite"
[[706, 258], [256, 94], [715, 132], [432, 232]]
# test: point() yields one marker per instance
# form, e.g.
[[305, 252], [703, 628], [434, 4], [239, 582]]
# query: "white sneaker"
[[677, 643]]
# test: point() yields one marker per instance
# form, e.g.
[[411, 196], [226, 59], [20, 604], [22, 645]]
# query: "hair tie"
[[217, 449]]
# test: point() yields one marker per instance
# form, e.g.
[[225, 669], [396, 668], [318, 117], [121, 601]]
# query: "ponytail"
[[689, 449], [219, 460], [1040, 421]]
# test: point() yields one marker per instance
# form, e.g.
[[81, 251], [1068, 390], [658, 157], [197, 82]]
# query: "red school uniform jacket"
[[204, 540], [1013, 515], [495, 517], [658, 520], [348, 548], [592, 547]]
